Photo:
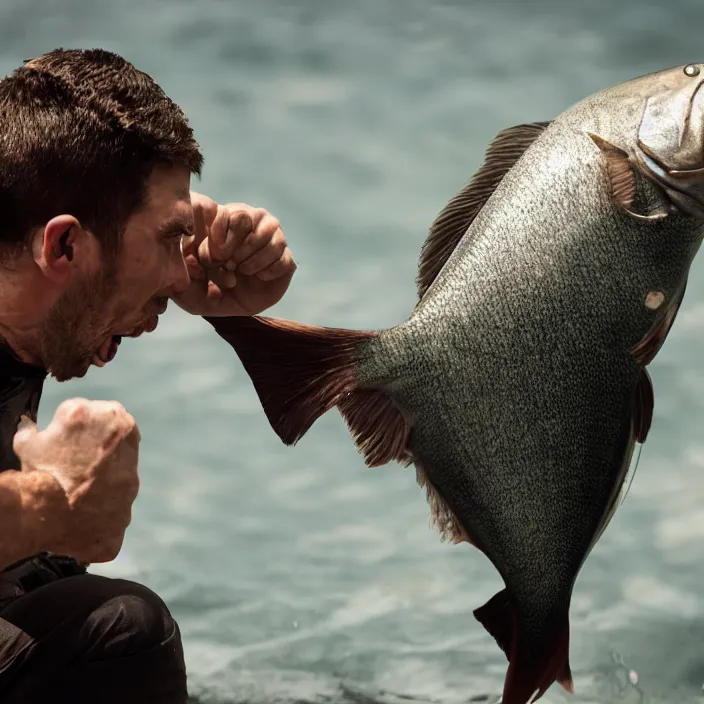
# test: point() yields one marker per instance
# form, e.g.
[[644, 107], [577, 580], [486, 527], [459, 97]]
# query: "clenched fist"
[[90, 450], [238, 259]]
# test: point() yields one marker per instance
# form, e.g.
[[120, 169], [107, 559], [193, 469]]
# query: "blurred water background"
[[299, 574]]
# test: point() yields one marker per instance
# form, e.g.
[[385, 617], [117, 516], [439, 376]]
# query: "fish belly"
[[524, 449]]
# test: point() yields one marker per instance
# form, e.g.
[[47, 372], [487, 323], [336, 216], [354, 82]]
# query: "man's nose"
[[180, 278]]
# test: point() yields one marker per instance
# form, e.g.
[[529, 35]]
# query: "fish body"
[[518, 385]]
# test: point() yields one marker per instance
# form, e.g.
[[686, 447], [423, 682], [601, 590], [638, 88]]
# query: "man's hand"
[[238, 260], [87, 461]]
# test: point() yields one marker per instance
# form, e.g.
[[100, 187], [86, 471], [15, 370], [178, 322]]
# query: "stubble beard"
[[75, 326]]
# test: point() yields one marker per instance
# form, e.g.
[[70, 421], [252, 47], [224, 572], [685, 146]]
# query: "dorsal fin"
[[452, 222]]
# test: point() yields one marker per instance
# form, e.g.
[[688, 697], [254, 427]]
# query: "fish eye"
[[691, 70]]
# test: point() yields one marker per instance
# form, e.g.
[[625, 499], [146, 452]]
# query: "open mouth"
[[682, 188], [107, 351]]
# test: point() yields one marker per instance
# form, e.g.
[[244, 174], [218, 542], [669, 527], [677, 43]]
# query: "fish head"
[[670, 140]]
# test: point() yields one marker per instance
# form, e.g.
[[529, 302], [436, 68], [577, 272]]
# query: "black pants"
[[85, 638]]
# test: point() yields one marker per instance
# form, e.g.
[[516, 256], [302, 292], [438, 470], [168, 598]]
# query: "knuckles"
[[73, 412], [79, 412], [272, 225]]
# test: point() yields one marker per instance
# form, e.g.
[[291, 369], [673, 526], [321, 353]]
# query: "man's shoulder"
[[21, 388]]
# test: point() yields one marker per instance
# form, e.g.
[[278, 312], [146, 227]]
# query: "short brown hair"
[[80, 133]]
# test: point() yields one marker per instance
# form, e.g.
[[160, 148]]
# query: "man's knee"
[[93, 634], [130, 620]]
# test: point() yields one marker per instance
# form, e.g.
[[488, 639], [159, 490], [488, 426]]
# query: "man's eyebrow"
[[179, 223]]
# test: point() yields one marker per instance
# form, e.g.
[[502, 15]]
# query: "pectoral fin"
[[622, 180]]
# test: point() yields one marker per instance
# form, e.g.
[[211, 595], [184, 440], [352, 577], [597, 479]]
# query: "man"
[[99, 230]]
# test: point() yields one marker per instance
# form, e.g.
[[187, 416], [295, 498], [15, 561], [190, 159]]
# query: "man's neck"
[[20, 319]]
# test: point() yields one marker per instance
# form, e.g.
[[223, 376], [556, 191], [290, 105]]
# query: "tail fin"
[[535, 662], [302, 371]]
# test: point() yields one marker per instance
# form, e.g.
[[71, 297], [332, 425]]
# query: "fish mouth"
[[684, 188], [678, 169]]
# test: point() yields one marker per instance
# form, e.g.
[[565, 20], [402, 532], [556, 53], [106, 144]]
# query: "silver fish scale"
[[515, 368]]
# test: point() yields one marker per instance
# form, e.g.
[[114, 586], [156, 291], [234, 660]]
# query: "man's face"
[[124, 298]]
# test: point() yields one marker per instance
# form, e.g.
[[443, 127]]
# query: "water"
[[299, 574]]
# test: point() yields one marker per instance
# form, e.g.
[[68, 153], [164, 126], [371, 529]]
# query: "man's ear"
[[56, 248]]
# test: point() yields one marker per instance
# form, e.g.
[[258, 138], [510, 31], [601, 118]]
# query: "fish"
[[518, 386]]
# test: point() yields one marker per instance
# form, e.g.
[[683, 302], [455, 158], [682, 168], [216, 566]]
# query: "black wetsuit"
[[67, 635]]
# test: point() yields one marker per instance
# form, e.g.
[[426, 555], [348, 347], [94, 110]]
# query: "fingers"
[[260, 251], [238, 241], [72, 413], [107, 421], [77, 413], [216, 254], [230, 228], [195, 269], [267, 234], [88, 426], [242, 240], [204, 212], [216, 291], [26, 431], [284, 266], [221, 279]]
